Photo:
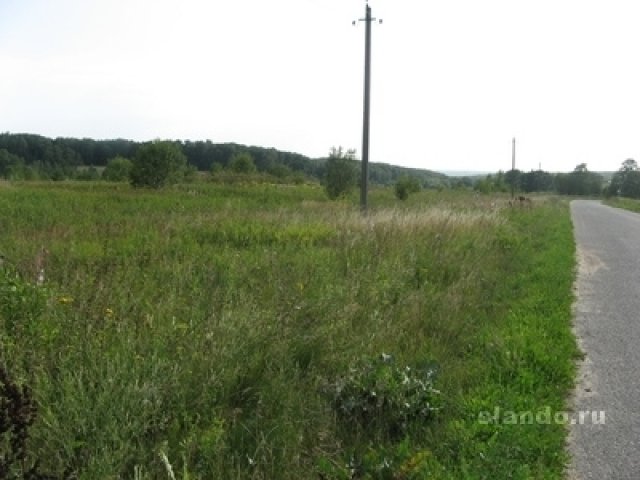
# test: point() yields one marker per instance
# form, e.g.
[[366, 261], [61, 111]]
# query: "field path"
[[608, 329]]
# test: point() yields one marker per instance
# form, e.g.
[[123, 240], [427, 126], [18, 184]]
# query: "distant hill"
[[386, 174], [59, 157], [465, 173]]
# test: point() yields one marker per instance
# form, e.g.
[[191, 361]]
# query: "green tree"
[[536, 181], [88, 174], [513, 178], [341, 173], [8, 163], [242, 163], [279, 170], [631, 185], [157, 164], [626, 181], [406, 185], [484, 185], [629, 165], [118, 169], [216, 168], [579, 182], [499, 182], [581, 168]]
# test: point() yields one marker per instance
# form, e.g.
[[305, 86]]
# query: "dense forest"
[[28, 156]]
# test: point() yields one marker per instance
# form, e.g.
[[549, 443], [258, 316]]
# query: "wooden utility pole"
[[364, 182], [513, 167]]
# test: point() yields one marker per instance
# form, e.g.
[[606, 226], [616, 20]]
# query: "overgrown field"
[[215, 331]]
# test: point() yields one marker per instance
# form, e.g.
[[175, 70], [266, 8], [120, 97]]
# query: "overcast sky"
[[453, 80]]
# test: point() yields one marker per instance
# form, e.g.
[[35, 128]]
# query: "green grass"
[[626, 203], [215, 326]]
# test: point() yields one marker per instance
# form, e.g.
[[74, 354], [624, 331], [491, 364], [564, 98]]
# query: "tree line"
[[581, 181], [29, 156]]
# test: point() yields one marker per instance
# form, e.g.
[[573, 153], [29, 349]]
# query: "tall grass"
[[206, 327], [622, 202]]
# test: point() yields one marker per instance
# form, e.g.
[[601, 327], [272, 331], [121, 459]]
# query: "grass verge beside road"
[[626, 203]]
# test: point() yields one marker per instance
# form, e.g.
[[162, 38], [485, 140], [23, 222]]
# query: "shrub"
[[157, 164], [117, 169], [242, 163], [341, 173], [405, 186], [381, 395], [88, 174], [21, 302]]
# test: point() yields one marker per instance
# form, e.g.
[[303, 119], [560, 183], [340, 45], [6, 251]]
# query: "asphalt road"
[[608, 328]]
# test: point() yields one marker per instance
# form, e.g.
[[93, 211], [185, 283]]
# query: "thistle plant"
[[381, 395]]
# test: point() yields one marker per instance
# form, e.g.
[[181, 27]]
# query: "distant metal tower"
[[364, 183]]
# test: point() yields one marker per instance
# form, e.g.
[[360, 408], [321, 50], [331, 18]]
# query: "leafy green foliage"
[[492, 183], [158, 164], [536, 181], [118, 169], [626, 181], [513, 180], [85, 151], [579, 182], [216, 168], [34, 151], [377, 394], [9, 164], [631, 185], [21, 302], [341, 173], [405, 186], [280, 171], [242, 163]]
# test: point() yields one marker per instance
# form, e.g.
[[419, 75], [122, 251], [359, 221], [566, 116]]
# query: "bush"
[[380, 395], [21, 302], [158, 164], [242, 163], [88, 174], [341, 173], [216, 168], [405, 186], [118, 169]]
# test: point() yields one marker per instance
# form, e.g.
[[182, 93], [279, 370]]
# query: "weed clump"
[[376, 394], [21, 302], [17, 415]]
